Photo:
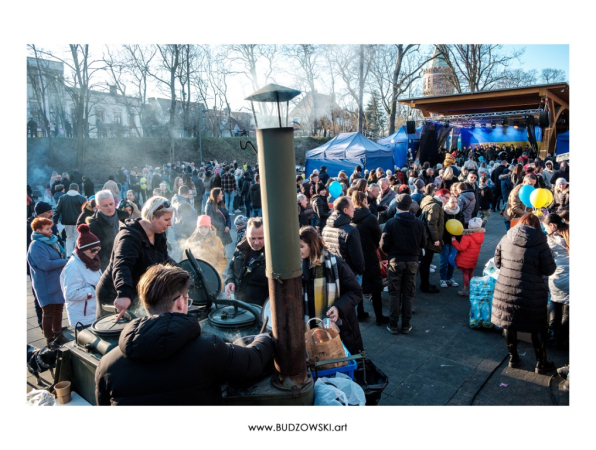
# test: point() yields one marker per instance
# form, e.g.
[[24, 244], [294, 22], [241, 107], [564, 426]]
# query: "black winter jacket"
[[486, 199], [370, 236], [403, 238], [321, 209], [521, 294], [89, 188], [350, 295], [255, 195], [165, 360], [68, 208], [343, 240], [133, 253], [103, 230], [250, 279]]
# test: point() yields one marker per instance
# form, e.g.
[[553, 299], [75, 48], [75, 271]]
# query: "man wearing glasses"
[[164, 359], [245, 276]]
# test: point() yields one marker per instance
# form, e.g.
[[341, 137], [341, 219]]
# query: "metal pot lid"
[[266, 314], [205, 283], [108, 326], [233, 317]]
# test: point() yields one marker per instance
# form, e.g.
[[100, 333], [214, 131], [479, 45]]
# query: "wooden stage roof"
[[496, 101]]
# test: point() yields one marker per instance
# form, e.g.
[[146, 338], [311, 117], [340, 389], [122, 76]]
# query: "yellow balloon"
[[539, 198], [549, 199], [538, 213], [454, 227]]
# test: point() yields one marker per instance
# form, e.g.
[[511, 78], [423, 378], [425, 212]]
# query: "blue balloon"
[[524, 195], [335, 189]]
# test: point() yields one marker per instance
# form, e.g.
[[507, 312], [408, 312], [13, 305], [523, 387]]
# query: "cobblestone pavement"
[[442, 361]]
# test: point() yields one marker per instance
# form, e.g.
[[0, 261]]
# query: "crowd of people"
[[358, 233]]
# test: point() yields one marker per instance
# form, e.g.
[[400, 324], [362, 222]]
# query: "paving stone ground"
[[442, 361]]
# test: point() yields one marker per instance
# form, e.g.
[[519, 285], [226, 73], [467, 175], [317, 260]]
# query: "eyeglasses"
[[94, 251], [165, 205], [186, 297]]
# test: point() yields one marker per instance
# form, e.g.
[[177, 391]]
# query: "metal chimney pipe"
[[282, 252]]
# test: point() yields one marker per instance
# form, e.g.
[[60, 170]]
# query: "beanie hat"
[[418, 183], [41, 207], [204, 221], [404, 189], [240, 221], [86, 239], [561, 181], [474, 223], [404, 201]]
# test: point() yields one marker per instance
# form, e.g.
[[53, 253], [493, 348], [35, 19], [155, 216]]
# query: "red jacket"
[[468, 249]]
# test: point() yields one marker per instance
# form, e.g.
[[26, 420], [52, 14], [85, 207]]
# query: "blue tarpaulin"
[[562, 144], [400, 142], [349, 149]]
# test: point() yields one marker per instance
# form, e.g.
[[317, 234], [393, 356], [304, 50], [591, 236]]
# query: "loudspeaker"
[[543, 119], [410, 127]]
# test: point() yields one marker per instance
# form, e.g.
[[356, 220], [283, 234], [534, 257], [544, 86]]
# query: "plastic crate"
[[348, 369]]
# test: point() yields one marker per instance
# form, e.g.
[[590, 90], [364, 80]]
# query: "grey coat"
[[558, 282], [524, 258]]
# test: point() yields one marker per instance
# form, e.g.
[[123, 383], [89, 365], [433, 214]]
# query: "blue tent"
[[400, 142], [562, 145], [346, 151]]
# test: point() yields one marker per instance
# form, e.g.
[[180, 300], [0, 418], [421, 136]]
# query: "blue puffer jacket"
[[45, 265]]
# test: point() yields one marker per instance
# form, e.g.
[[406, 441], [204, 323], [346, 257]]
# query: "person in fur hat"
[[468, 250]]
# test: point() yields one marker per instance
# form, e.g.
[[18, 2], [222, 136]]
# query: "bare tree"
[[353, 65], [476, 67], [394, 69], [170, 58], [252, 57], [307, 56], [517, 78], [552, 75]]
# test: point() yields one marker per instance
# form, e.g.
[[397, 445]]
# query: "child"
[[486, 199], [240, 223], [468, 251], [450, 211]]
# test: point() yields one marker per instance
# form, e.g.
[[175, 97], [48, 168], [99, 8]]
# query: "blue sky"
[[542, 56]]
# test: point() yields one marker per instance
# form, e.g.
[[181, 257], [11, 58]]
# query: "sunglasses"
[[165, 205]]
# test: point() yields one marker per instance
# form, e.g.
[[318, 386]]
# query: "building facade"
[[435, 78]]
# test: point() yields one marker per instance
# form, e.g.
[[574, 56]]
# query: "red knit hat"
[[86, 240]]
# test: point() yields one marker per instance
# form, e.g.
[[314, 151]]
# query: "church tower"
[[434, 78]]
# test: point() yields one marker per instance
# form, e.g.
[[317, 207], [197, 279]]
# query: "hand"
[[437, 243], [229, 289], [226, 229], [452, 238], [121, 304], [333, 314]]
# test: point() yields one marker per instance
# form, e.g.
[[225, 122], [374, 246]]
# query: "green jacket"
[[432, 215]]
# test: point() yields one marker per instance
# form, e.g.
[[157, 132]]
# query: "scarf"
[[52, 242], [91, 264], [113, 221], [326, 287]]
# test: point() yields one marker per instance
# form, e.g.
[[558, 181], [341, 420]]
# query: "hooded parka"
[[520, 298]]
